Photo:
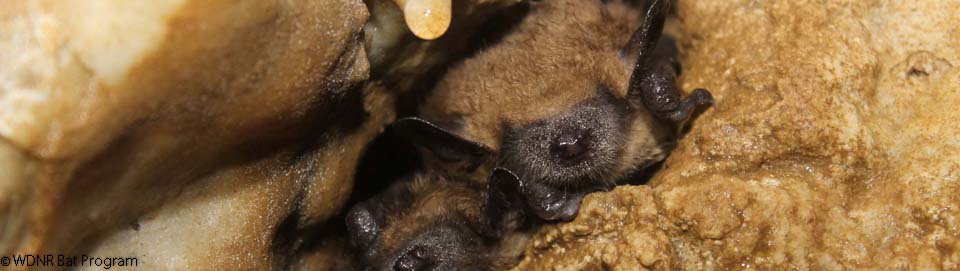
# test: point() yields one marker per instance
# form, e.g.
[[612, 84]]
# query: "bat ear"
[[367, 219], [653, 80], [501, 202], [444, 144], [644, 39], [364, 224]]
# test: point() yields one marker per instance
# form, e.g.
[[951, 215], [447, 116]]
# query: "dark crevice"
[[643, 176], [286, 240]]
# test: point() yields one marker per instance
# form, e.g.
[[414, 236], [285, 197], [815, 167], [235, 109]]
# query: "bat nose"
[[571, 147], [413, 260]]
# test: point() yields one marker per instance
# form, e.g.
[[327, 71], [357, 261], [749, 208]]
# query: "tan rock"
[[109, 108], [614, 231], [831, 147]]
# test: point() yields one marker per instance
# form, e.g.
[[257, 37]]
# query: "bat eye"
[[571, 147], [415, 259]]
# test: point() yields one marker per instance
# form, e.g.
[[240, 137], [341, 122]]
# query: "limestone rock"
[[831, 147], [110, 108], [613, 231]]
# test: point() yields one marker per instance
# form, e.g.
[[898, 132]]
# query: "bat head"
[[429, 223]]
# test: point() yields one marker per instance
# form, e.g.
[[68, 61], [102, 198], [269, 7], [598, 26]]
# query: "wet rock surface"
[[831, 147]]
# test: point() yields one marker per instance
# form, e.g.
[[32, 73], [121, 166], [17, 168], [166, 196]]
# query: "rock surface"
[[111, 109], [832, 147]]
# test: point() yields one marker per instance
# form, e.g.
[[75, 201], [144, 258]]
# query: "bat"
[[577, 98]]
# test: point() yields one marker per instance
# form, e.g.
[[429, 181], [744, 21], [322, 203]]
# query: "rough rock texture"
[[110, 108], [833, 146]]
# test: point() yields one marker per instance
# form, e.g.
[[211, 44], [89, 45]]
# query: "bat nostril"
[[571, 147], [415, 259]]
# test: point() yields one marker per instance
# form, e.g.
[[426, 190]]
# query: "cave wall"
[[110, 108]]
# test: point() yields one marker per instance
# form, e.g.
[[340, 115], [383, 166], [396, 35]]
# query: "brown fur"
[[431, 199]]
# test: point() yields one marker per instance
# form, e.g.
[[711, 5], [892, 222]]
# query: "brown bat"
[[427, 222], [576, 99]]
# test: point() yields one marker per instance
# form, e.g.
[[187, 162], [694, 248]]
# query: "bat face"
[[585, 143], [429, 223], [576, 99]]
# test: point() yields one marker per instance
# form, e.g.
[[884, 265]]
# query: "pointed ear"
[[644, 39], [653, 82], [501, 202], [444, 144]]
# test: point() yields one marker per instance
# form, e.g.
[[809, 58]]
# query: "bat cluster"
[[577, 98]]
